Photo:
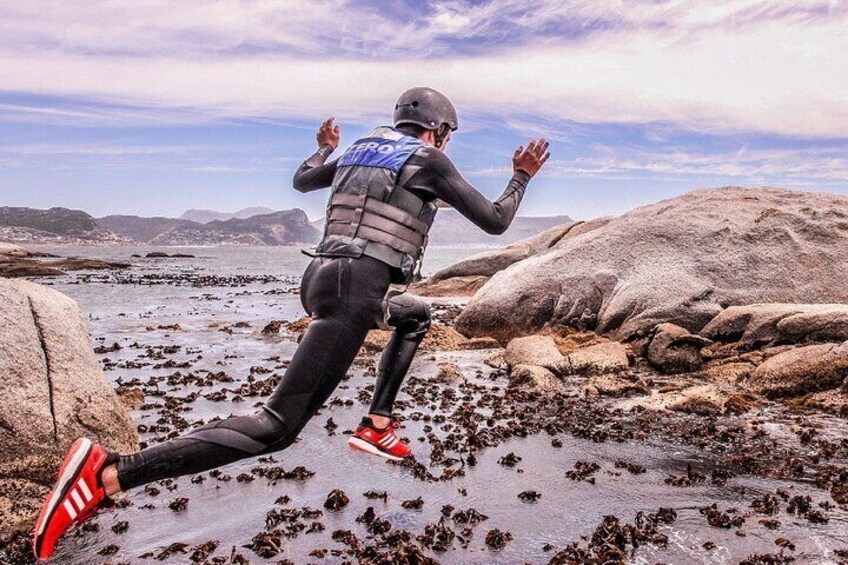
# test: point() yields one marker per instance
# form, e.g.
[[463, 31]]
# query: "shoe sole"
[[60, 490], [362, 445]]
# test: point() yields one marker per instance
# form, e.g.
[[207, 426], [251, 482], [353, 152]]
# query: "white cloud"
[[103, 150], [787, 166], [743, 65]]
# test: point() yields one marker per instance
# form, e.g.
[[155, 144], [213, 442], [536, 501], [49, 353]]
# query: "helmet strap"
[[441, 135]]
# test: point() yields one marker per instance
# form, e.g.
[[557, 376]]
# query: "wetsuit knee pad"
[[407, 313]]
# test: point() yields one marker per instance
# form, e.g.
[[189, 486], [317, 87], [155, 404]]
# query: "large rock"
[[51, 392], [598, 359], [535, 378], [681, 260], [780, 323], [538, 350], [674, 350], [802, 370]]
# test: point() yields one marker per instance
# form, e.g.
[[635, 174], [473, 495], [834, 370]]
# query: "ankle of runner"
[[380, 422]]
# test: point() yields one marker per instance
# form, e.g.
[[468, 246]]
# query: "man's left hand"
[[328, 134]]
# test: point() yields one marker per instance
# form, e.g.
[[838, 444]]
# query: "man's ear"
[[429, 137], [441, 136]]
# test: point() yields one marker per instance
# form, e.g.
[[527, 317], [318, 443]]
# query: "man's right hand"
[[530, 160], [328, 134]]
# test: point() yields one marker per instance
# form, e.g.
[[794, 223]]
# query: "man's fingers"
[[543, 146], [336, 129], [545, 158], [517, 153], [531, 146]]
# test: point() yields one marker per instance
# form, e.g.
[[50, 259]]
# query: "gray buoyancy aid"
[[369, 212]]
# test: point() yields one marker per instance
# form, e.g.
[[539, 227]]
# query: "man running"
[[381, 207]]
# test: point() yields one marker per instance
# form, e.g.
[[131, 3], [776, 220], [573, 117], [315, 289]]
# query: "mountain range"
[[64, 226], [206, 216], [250, 226], [56, 225]]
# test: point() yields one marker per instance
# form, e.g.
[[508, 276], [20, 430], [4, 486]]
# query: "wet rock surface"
[[640, 476]]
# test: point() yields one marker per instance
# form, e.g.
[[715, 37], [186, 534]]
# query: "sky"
[[153, 107]]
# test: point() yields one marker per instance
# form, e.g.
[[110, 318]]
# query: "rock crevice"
[[47, 371]]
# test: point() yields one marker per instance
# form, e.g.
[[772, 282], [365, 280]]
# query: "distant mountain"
[[286, 227], [452, 228], [141, 229], [206, 216], [246, 213], [56, 225]]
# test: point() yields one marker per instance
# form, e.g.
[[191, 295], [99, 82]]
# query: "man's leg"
[[410, 317], [325, 353]]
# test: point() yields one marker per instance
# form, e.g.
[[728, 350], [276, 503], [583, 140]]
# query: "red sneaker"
[[382, 442], [75, 497]]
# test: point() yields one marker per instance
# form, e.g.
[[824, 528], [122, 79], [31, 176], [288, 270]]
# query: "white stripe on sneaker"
[[362, 445], [391, 443], [84, 488], [69, 508], [77, 498]]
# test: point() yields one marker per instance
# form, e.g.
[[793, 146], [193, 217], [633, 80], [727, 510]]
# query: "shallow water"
[[234, 512]]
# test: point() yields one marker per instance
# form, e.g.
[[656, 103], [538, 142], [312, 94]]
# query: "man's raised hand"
[[328, 134], [530, 160]]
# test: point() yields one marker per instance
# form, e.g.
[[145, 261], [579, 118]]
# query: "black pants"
[[346, 297]]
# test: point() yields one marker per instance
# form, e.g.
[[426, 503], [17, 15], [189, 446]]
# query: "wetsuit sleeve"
[[438, 175], [313, 173]]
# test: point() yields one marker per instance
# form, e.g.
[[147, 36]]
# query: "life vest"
[[369, 213]]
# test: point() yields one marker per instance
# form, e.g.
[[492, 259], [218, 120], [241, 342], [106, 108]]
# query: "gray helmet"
[[425, 107]]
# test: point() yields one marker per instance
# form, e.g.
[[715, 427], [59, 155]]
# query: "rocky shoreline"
[[598, 393], [17, 262], [679, 426]]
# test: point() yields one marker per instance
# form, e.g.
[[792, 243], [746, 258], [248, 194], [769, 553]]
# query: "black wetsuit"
[[346, 298]]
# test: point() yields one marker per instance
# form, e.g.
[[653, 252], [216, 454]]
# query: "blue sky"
[[154, 107]]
